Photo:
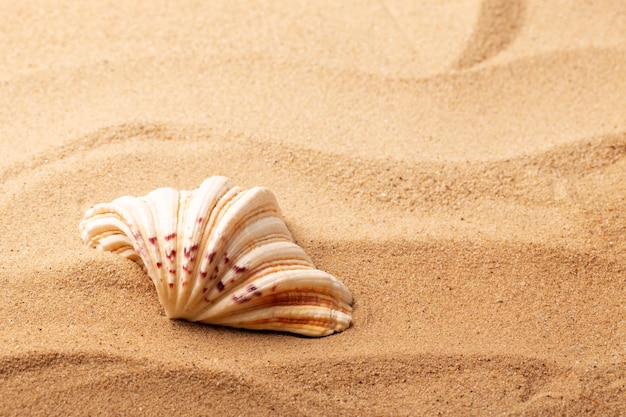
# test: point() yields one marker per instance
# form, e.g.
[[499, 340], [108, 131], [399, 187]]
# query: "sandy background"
[[459, 165]]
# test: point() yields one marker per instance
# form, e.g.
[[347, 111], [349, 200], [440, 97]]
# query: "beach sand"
[[459, 165]]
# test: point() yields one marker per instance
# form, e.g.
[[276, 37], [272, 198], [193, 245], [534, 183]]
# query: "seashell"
[[221, 255]]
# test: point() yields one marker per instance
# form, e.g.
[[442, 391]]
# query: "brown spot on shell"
[[240, 298], [170, 236], [188, 251], [254, 290], [239, 269]]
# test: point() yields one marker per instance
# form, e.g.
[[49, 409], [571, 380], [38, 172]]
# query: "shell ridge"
[[216, 252], [248, 270], [309, 280], [162, 202], [122, 221], [248, 214], [213, 263], [202, 203], [142, 216], [182, 281], [212, 249], [100, 236], [235, 279]]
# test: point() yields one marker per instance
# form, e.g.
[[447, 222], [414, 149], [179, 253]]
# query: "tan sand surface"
[[460, 165]]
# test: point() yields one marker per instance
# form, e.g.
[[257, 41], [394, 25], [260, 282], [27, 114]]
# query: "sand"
[[459, 165]]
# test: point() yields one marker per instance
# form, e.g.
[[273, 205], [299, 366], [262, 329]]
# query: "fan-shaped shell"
[[220, 254]]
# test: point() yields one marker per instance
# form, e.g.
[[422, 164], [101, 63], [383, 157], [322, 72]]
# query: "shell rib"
[[222, 255]]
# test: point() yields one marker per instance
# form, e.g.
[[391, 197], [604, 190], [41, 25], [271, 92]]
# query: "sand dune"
[[459, 166]]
